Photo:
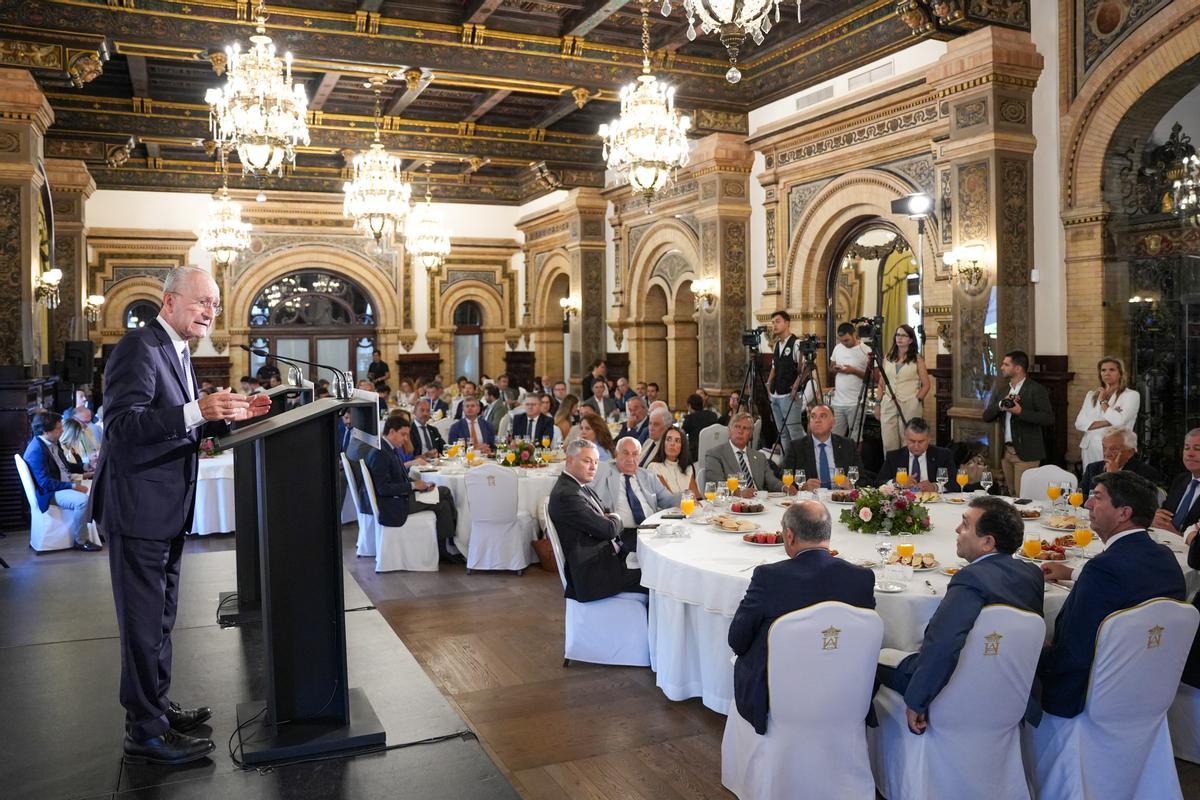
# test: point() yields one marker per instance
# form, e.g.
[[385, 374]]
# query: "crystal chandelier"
[[1187, 191], [259, 111], [648, 142], [377, 197], [733, 20], [428, 243], [224, 236]]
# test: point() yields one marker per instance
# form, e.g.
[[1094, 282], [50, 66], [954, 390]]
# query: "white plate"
[[1050, 527], [775, 495], [724, 530], [889, 587], [860, 562], [841, 502], [946, 571], [958, 501], [760, 544], [936, 565]]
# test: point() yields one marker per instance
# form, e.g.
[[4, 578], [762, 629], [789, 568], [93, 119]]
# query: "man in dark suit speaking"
[[921, 459], [143, 498], [810, 575], [990, 532]]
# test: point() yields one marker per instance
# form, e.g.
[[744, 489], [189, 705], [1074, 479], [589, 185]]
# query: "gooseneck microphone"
[[342, 388]]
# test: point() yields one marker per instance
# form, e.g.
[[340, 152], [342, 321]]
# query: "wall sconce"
[[704, 290], [45, 291], [91, 307], [964, 264], [570, 308]]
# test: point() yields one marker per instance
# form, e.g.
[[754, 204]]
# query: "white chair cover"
[[1183, 720], [972, 748], [412, 547], [820, 673], [713, 436], [505, 427], [609, 631], [1119, 745], [443, 426], [501, 535], [756, 435], [49, 529], [366, 522], [1034, 481]]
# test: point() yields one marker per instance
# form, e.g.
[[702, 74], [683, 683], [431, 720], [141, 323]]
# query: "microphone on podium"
[[342, 388]]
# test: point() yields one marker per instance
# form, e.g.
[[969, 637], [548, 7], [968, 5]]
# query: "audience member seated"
[[990, 532], [1131, 569], [810, 575], [638, 423], [468, 390], [405, 451], [473, 428], [53, 479], [494, 409], [532, 425], [384, 391], [405, 396], [623, 393], [822, 452], [660, 421], [599, 402], [732, 402], [674, 463], [629, 491], [594, 551], [1180, 510], [735, 457], [433, 394], [510, 394], [79, 444], [426, 439], [395, 492], [268, 376], [559, 393], [249, 385], [567, 416], [595, 430], [1119, 453], [698, 418], [653, 395], [921, 459]]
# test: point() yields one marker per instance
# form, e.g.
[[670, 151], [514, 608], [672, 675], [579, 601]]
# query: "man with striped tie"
[[736, 457], [1180, 510]]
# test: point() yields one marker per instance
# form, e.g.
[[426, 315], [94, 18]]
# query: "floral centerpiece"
[[522, 452], [209, 448], [885, 510]]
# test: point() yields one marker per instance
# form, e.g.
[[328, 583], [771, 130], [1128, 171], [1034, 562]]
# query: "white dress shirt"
[[828, 455], [192, 416], [1015, 390], [925, 476], [621, 502]]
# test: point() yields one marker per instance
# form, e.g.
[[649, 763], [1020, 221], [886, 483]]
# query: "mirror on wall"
[[875, 274]]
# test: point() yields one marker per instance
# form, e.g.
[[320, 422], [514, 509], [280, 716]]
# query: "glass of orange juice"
[[839, 476], [687, 503], [902, 477], [1075, 498], [1083, 535], [710, 491], [1053, 491], [905, 547], [789, 477], [961, 478], [1032, 546], [470, 457], [731, 483], [546, 441]]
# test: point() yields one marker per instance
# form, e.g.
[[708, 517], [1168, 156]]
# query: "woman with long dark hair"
[[904, 367], [674, 464], [593, 428]]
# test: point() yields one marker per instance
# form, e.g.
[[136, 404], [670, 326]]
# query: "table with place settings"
[[696, 583]]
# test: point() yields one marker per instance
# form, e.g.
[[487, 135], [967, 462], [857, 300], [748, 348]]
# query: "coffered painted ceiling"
[[505, 96]]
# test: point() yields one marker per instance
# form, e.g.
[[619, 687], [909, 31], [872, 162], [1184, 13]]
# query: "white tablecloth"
[[697, 584], [214, 495], [533, 486]]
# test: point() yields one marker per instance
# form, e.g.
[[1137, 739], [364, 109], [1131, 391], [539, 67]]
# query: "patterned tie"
[[747, 477], [648, 456], [186, 361], [915, 472], [1185, 505], [639, 515], [474, 435], [823, 468]]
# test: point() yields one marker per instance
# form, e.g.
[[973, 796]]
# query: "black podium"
[[309, 707]]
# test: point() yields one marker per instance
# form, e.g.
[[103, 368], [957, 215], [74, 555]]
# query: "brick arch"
[[845, 203]]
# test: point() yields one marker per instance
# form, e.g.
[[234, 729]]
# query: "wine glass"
[[883, 546], [537, 455], [731, 483], [852, 476], [902, 477], [943, 477], [961, 478], [801, 478], [1075, 498], [839, 477], [1053, 491], [789, 477], [546, 440], [985, 480], [710, 491]]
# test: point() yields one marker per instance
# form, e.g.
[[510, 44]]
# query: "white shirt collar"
[[818, 442], [177, 340], [1016, 389], [982, 557]]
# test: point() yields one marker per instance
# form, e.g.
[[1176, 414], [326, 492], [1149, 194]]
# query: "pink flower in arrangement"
[[865, 514], [854, 494], [901, 504], [887, 488]]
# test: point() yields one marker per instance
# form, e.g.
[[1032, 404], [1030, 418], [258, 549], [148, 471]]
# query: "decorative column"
[[986, 81], [721, 163], [25, 115], [70, 186]]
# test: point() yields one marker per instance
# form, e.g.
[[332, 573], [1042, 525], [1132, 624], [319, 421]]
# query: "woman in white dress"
[[1114, 404], [673, 463]]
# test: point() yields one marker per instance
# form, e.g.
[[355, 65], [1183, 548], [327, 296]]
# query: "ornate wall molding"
[[974, 199], [11, 347]]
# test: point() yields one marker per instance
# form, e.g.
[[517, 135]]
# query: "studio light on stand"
[[917, 207]]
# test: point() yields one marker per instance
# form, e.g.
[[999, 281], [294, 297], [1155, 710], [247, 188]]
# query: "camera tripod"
[[865, 394]]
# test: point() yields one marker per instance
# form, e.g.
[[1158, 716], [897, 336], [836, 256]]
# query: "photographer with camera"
[[848, 363], [784, 380], [1025, 406]]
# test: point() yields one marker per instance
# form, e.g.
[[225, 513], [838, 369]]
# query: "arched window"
[[875, 275], [313, 315], [140, 312], [468, 338]]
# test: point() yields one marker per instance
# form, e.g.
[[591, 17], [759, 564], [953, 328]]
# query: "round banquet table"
[[697, 583], [533, 486], [214, 495]]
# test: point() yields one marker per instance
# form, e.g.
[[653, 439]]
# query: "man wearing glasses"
[[143, 498]]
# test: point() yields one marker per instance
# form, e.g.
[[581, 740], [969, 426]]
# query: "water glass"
[[985, 480], [943, 477], [852, 476]]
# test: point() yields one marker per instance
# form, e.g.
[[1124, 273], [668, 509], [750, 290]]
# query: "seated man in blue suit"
[[1132, 569], [921, 459], [1120, 452], [52, 477], [394, 490], [629, 491], [810, 575], [990, 532], [532, 425], [638, 423], [473, 428]]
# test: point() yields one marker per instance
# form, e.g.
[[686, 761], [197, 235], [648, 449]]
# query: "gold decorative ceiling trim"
[[755, 63]]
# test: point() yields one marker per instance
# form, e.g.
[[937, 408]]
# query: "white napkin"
[[429, 496], [890, 657]]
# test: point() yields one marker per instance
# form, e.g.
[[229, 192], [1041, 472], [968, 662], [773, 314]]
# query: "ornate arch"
[[647, 256], [118, 298], [554, 263], [844, 203], [491, 304]]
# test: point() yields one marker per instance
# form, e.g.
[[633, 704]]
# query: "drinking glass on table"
[[537, 455], [471, 457], [801, 478], [789, 477], [722, 494], [904, 546], [687, 503], [961, 478], [985, 480], [1075, 498], [1053, 491], [1083, 533], [546, 440], [710, 490], [839, 477], [902, 477], [1031, 546], [852, 476], [943, 477], [883, 546], [731, 483]]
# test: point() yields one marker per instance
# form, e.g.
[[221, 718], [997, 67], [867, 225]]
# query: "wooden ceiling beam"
[[585, 20], [139, 76], [325, 88], [476, 12], [416, 81], [370, 5], [485, 105], [556, 112]]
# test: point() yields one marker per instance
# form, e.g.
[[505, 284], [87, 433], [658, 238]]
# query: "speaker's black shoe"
[[170, 749], [184, 719], [88, 547]]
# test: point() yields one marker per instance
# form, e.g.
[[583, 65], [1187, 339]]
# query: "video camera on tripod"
[[868, 328], [752, 336]]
